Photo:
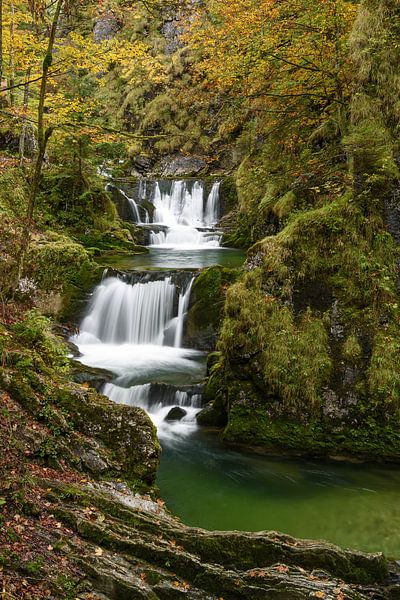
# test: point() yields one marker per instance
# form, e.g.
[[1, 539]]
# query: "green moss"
[[55, 260], [13, 191], [351, 348], [383, 372], [284, 206], [208, 296], [291, 359], [34, 331], [112, 241]]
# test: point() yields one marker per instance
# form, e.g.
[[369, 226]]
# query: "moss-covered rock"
[[206, 306], [268, 562], [84, 428]]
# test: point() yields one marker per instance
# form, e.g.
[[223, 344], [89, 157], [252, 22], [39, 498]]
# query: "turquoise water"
[[353, 505]]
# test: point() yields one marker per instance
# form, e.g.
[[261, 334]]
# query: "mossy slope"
[[309, 343]]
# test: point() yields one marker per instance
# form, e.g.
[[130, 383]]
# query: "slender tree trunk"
[[24, 128], [43, 137], [12, 62]]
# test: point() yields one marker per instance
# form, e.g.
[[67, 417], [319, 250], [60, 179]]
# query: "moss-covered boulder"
[[84, 428], [126, 431], [62, 272], [206, 306]]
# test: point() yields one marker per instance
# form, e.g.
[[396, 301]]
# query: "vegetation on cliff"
[[314, 367]]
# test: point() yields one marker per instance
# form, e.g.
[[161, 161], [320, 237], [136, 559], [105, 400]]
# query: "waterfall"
[[134, 314], [137, 395], [158, 408], [135, 208], [184, 213], [135, 330], [212, 205], [182, 310]]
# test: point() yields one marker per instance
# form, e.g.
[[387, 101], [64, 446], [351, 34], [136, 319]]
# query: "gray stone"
[[176, 166], [106, 27]]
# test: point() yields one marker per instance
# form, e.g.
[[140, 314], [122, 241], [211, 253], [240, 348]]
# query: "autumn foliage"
[[275, 56]]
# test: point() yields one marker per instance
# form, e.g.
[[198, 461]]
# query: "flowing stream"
[[134, 327]]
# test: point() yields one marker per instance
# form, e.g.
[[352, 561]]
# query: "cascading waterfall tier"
[[135, 329], [142, 313], [183, 210], [158, 405], [177, 213]]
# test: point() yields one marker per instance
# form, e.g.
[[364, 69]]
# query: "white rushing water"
[[135, 209], [184, 212], [136, 331], [140, 395]]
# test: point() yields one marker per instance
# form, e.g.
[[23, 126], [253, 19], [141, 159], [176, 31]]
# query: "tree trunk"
[[43, 137], [11, 58], [23, 130]]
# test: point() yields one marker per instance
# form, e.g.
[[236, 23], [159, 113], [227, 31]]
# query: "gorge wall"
[[309, 348]]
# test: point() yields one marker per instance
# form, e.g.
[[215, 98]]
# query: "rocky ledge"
[[80, 517], [129, 546]]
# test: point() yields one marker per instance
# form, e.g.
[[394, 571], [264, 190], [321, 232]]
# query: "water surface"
[[178, 258], [211, 486]]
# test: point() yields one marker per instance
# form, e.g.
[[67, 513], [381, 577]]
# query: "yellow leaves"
[[98, 551], [181, 585]]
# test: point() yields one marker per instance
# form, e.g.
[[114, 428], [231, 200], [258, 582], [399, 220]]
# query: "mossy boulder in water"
[[175, 414]]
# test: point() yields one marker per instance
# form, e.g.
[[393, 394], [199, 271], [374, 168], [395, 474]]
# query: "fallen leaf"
[[282, 568], [98, 551]]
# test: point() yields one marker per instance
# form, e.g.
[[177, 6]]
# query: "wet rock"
[[206, 307], [175, 414], [212, 415], [121, 202], [93, 376]]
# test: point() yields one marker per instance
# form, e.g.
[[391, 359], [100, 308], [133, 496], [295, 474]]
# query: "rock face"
[[206, 307], [178, 166], [106, 27]]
